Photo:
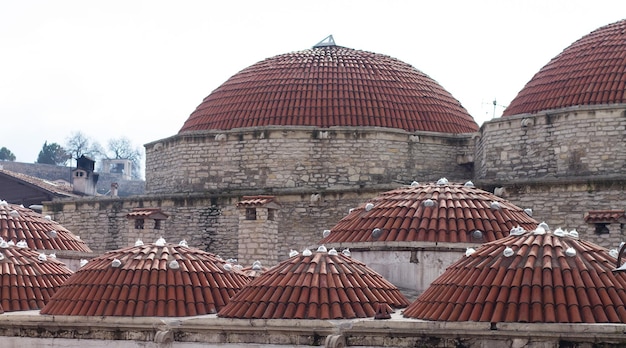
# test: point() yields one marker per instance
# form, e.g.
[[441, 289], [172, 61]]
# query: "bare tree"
[[78, 144]]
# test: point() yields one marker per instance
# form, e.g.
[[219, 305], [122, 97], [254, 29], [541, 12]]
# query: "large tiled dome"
[[588, 72], [331, 86]]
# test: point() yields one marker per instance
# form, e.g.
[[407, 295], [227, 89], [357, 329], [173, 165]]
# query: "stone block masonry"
[[302, 157], [207, 221], [561, 163], [571, 142]]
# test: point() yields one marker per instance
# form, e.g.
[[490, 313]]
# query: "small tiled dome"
[[320, 285], [432, 212], [528, 277], [331, 86], [158, 279], [28, 279], [588, 72], [40, 232]]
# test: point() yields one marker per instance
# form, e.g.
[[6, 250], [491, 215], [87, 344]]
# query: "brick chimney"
[[145, 224], [258, 230]]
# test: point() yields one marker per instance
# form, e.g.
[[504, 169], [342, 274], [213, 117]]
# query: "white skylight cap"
[[160, 242]]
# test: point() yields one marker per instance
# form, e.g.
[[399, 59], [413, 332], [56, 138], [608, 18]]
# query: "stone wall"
[[571, 142], [303, 157], [562, 203], [102, 223], [207, 221], [559, 163]]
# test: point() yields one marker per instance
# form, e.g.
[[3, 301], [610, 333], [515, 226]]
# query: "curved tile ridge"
[[432, 212], [320, 285], [331, 86], [158, 279], [40, 232], [28, 278], [529, 277], [588, 72]]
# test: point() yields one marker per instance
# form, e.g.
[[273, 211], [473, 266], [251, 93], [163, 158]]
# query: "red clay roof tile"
[[331, 86], [438, 213], [144, 213], [588, 72], [256, 201], [322, 285], [539, 277], [41, 233], [28, 279], [605, 216], [173, 285]]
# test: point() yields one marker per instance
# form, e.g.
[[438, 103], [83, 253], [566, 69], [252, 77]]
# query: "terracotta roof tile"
[[605, 216], [536, 277], [255, 270], [431, 213], [19, 223], [28, 279], [256, 201], [331, 86], [153, 213], [320, 285], [588, 72], [150, 280]]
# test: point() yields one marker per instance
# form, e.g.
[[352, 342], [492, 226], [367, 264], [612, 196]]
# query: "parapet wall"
[[207, 221], [563, 203], [303, 157], [564, 143], [32, 329]]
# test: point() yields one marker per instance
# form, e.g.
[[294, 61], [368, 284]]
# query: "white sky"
[[139, 68]]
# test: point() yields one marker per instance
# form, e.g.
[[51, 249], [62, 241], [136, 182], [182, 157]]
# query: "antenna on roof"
[[495, 106], [328, 41]]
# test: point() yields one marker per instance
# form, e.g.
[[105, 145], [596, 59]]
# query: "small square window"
[[602, 229], [250, 213], [271, 215], [139, 224], [157, 224]]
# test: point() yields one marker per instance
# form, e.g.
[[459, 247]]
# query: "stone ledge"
[[397, 331]]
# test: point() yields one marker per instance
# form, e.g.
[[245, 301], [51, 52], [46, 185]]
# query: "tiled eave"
[[605, 216], [210, 329], [402, 246]]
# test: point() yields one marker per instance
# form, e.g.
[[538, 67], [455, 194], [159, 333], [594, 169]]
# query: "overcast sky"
[[138, 69]]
